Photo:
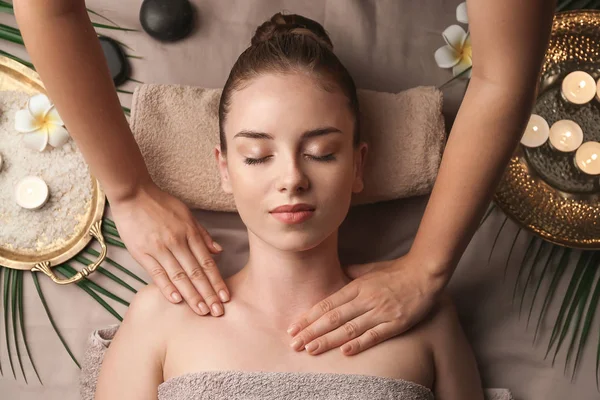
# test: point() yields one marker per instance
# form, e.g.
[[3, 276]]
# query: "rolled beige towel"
[[177, 127], [221, 385]]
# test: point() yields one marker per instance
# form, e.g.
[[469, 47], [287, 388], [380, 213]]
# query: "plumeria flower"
[[40, 124], [461, 13], [456, 54]]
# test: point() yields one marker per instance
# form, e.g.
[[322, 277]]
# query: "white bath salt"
[[64, 171]]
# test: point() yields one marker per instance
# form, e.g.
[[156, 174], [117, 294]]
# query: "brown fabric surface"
[[177, 128]]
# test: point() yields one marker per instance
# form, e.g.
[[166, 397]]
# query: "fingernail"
[[176, 297], [346, 348], [312, 346], [223, 295], [297, 344], [203, 308], [217, 310], [217, 246], [293, 330]]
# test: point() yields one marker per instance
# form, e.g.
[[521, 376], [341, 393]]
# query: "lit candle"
[[587, 158], [536, 133], [31, 192], [578, 87], [566, 135]]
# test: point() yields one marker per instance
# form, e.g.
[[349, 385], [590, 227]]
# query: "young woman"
[[291, 155]]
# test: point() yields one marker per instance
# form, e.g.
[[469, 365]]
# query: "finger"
[[342, 296], [198, 278], [202, 255], [210, 244], [331, 321], [181, 281], [373, 336], [358, 270], [160, 278]]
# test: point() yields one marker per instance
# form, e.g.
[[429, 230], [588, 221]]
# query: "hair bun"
[[280, 25]]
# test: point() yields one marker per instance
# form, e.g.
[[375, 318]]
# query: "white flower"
[[456, 54], [40, 124], [461, 13]]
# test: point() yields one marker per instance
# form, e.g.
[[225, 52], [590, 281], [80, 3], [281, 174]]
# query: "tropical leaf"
[[116, 265], [93, 285], [22, 325], [496, 240], [530, 247], [532, 270], [66, 272], [7, 279], [558, 273], [540, 280], [14, 296], [43, 300], [512, 246], [580, 268]]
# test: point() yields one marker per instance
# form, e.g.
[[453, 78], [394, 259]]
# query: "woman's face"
[[290, 142]]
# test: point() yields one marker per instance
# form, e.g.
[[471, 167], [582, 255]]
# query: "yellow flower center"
[[466, 52]]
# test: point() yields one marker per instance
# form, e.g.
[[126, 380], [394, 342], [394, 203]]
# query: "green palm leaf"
[[576, 306], [30, 65], [15, 295], [93, 285], [580, 268], [558, 273], [496, 240], [116, 265], [43, 300], [591, 311], [116, 28], [512, 246], [541, 278], [7, 279], [532, 270], [66, 272], [22, 325], [524, 262], [105, 272]]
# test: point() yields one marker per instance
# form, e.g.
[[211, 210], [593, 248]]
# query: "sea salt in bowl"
[[63, 169]]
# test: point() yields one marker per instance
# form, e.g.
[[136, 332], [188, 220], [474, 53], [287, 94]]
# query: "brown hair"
[[289, 43]]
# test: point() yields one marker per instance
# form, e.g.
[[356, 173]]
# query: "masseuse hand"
[[384, 300], [161, 233]]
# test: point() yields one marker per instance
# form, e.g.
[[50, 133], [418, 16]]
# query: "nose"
[[292, 178]]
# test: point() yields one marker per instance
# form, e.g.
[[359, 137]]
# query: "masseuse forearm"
[[509, 39], [65, 51], [481, 143]]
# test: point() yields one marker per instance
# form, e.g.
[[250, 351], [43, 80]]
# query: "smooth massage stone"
[[116, 59], [167, 20]]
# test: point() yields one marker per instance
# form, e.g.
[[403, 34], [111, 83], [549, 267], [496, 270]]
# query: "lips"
[[290, 208], [293, 213]]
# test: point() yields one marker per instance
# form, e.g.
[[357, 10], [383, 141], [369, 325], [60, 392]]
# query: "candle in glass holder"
[[566, 135], [587, 158], [536, 133], [578, 87], [31, 192]]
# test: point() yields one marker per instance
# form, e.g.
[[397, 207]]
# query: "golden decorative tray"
[[542, 189], [17, 77]]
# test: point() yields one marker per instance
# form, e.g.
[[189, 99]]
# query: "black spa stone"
[[116, 59], [167, 20]]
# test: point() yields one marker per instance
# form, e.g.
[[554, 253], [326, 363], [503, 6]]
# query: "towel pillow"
[[176, 128]]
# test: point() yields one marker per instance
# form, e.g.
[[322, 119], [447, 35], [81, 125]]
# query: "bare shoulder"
[[148, 308]]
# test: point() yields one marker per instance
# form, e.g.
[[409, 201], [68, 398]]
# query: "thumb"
[[358, 270]]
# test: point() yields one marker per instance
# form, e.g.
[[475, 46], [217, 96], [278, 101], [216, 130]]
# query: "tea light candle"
[[31, 192], [587, 158], [578, 87], [536, 133], [566, 135]]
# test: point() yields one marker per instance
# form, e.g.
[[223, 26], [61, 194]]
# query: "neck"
[[282, 284]]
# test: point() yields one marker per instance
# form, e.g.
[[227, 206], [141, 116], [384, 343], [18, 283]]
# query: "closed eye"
[[327, 157]]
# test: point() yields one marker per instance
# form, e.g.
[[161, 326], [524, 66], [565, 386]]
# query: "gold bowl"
[[542, 189], [17, 77]]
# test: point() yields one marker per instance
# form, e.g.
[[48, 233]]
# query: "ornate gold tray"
[[542, 189], [15, 76]]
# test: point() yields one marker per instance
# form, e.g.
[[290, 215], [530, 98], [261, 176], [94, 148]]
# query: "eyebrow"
[[308, 134]]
